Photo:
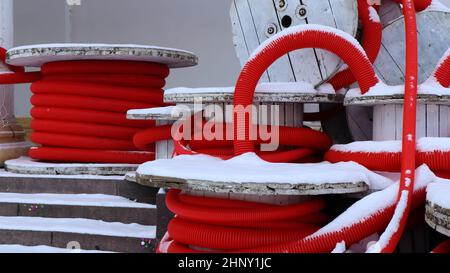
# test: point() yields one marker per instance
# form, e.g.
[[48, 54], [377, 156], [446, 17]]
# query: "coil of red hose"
[[79, 111]]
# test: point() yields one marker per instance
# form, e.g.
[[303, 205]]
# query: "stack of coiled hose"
[[79, 110]]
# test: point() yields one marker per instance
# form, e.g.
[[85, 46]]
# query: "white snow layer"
[[168, 110], [393, 225], [77, 225], [93, 200], [374, 202], [294, 30], [249, 168], [42, 249], [424, 144], [273, 87], [429, 87], [439, 193], [373, 15]]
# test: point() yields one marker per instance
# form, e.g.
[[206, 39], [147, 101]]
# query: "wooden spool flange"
[[437, 209], [37, 55], [434, 40], [254, 21], [26, 165], [189, 175]]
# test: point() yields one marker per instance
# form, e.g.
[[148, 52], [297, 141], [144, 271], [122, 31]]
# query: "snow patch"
[[77, 225], [294, 30], [373, 15], [249, 168], [373, 203], [439, 193]]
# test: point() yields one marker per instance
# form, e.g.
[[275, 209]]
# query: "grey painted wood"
[[254, 21], [36, 55], [434, 40], [144, 216]]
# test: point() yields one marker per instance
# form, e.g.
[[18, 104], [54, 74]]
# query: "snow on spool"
[[38, 55], [437, 207]]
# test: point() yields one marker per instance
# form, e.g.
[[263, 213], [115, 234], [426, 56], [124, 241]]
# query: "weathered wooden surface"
[[254, 21], [75, 184], [431, 121], [226, 97], [36, 55], [270, 189], [438, 218], [25, 165], [366, 100], [434, 40]]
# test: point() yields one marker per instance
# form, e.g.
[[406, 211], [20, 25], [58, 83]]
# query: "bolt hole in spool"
[[286, 21]]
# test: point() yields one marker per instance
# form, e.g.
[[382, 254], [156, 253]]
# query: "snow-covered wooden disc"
[[437, 209], [247, 174], [36, 55], [434, 40], [254, 21], [300, 92], [26, 165]]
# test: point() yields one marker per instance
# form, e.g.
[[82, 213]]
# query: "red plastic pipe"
[[306, 37]]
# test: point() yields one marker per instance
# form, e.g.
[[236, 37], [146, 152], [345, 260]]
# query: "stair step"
[[85, 233], [42, 249], [108, 208], [75, 184]]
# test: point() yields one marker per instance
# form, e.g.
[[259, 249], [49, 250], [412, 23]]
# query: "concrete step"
[[43, 249], [108, 208], [84, 234], [76, 184]]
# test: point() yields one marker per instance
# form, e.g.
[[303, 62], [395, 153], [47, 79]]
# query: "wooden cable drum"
[[434, 40], [254, 21]]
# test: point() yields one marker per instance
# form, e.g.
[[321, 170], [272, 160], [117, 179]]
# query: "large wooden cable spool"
[[434, 40], [254, 21]]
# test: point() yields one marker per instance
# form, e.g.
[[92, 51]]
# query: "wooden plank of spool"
[[26, 165], [265, 189], [438, 218], [434, 40], [254, 21], [36, 55]]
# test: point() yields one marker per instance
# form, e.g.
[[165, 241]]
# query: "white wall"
[[200, 26]]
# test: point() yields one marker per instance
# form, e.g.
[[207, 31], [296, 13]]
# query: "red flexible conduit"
[[218, 228], [325, 242], [79, 112]]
